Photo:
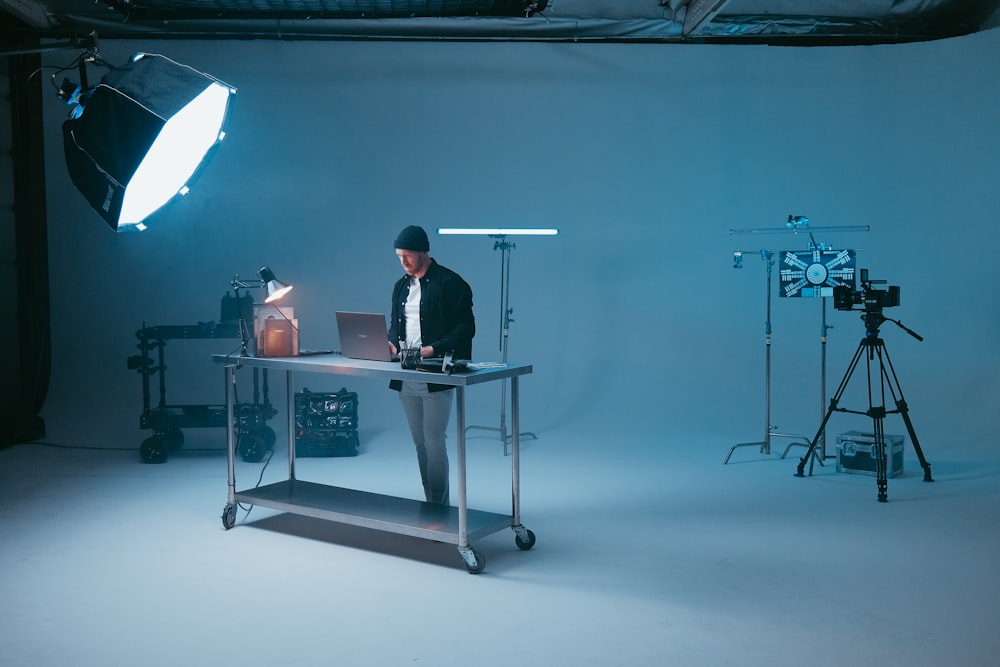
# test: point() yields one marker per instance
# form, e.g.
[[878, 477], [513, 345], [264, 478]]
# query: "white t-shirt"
[[412, 313]]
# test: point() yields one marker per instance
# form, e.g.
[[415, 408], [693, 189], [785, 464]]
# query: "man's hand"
[[425, 351]]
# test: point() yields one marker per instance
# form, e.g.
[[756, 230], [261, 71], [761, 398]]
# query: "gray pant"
[[428, 414]]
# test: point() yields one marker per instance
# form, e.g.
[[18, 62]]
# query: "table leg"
[[523, 538], [463, 528], [230, 435], [290, 395], [515, 455], [229, 511], [474, 561]]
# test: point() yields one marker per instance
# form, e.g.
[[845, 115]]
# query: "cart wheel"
[[480, 563], [252, 448], [229, 516], [525, 544], [174, 437], [266, 433], [154, 449]]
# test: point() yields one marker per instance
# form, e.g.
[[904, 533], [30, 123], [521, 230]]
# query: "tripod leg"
[[881, 480], [903, 410], [833, 406], [808, 456]]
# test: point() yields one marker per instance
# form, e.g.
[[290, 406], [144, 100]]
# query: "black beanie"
[[413, 238]]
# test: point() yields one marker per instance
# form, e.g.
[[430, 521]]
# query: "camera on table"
[[409, 358], [873, 300]]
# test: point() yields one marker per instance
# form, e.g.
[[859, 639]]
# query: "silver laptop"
[[363, 336]]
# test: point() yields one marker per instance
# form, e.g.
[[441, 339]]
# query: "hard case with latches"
[[856, 454]]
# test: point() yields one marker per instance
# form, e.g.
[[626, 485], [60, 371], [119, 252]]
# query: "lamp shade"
[[143, 135], [274, 288]]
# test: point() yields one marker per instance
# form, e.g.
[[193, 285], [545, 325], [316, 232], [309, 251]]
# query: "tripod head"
[[873, 319]]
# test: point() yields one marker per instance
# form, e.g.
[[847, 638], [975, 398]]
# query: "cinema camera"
[[872, 300], [844, 298]]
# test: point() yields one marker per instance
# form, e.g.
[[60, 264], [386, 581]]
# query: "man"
[[432, 311]]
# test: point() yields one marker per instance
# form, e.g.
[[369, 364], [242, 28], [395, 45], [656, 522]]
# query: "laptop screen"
[[363, 336]]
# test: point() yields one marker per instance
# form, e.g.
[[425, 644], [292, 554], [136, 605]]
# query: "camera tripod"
[[873, 348]]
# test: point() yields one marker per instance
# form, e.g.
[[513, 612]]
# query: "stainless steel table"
[[457, 525]]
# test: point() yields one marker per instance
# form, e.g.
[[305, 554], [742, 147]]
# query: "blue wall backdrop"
[[643, 156]]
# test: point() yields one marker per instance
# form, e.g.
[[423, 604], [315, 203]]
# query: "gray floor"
[[649, 552]]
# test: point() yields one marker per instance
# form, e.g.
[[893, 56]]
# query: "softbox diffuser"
[[143, 135]]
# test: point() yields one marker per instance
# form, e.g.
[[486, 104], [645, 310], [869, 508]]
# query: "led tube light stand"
[[499, 234]]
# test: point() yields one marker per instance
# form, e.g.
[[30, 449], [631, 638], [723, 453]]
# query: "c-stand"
[[873, 344]]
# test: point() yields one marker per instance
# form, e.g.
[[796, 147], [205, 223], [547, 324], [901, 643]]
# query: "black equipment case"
[[326, 424], [856, 454]]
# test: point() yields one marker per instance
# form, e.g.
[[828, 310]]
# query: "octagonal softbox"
[[143, 135]]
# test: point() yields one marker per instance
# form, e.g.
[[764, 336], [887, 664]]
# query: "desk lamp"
[[274, 289]]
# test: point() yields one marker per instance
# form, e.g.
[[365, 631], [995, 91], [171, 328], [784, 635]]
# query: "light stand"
[[821, 455], [506, 312], [823, 329], [769, 430], [816, 273], [794, 225]]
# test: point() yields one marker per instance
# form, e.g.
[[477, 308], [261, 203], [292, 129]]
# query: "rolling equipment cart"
[[166, 420]]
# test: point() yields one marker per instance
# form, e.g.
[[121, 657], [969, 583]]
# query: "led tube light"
[[499, 231]]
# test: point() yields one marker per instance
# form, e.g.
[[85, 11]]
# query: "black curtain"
[[32, 293]]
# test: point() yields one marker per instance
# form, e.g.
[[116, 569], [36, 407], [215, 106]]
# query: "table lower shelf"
[[373, 510]]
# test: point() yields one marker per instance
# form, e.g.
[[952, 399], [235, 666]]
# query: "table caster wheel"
[[474, 561], [526, 542], [229, 516]]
